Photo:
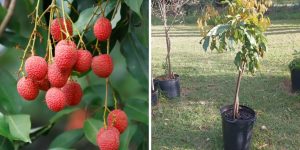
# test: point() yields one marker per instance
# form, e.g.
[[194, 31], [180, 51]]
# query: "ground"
[[208, 82]]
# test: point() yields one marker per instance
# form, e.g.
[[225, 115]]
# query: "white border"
[[150, 76]]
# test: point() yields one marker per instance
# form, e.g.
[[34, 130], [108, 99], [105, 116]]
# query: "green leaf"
[[91, 128], [206, 43], [238, 59], [86, 14], [134, 5], [62, 113], [4, 128], [19, 126], [67, 139], [217, 30], [137, 110], [117, 17], [127, 136], [9, 98], [136, 57]]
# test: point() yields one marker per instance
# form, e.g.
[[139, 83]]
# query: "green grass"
[[208, 82]]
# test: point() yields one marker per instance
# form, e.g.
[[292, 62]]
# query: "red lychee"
[[65, 55], [84, 60], [36, 67], [44, 84], [108, 139], [102, 29], [73, 93], [55, 99], [27, 88], [102, 65], [118, 119], [56, 77], [57, 26]]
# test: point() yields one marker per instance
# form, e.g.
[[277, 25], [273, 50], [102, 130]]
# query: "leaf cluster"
[[241, 25]]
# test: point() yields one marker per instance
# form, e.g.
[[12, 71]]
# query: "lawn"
[[208, 82]]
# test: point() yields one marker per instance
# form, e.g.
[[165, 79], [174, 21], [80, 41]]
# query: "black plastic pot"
[[295, 78], [236, 132], [154, 98], [170, 87]]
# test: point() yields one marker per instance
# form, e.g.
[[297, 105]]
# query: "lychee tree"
[[59, 49], [240, 27]]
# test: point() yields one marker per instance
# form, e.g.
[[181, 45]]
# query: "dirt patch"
[[286, 85]]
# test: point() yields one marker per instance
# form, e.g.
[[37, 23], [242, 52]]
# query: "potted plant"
[[294, 67], [241, 25], [165, 10]]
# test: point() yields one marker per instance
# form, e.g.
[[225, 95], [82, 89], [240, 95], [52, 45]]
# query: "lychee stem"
[[105, 103], [64, 18], [107, 46], [105, 7], [49, 44], [115, 100], [31, 39]]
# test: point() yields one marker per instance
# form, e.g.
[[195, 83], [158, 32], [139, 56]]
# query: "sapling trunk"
[[168, 42], [237, 91]]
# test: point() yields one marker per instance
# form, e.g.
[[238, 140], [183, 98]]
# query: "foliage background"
[[21, 121]]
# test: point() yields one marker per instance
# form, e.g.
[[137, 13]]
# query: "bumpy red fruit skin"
[[44, 84], [102, 65], [55, 99], [118, 119], [58, 24], [36, 67], [108, 139], [73, 93], [27, 88], [84, 60], [65, 55], [56, 77], [102, 29]]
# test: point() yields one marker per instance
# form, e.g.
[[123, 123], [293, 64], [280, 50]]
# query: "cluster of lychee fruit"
[[108, 138], [54, 77]]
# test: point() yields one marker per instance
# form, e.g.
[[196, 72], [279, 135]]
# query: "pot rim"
[[176, 78], [227, 107]]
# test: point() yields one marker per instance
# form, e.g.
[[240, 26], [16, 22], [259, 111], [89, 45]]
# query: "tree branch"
[[9, 14]]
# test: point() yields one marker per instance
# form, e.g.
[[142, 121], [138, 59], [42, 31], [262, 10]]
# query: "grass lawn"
[[208, 82]]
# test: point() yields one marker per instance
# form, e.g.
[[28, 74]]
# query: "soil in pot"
[[295, 78], [237, 132], [170, 87]]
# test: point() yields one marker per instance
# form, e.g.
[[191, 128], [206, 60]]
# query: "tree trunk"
[[237, 91], [168, 42]]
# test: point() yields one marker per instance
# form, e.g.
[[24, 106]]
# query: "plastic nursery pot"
[[237, 132], [170, 87], [295, 78]]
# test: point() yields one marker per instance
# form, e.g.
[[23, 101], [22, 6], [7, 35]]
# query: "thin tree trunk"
[[237, 91], [168, 42]]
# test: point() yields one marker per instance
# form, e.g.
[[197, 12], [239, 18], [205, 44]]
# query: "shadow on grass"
[[193, 121]]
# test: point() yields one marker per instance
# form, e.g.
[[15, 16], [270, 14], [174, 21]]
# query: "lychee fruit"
[[108, 139], [73, 93], [118, 119], [65, 55], [44, 84], [84, 61], [57, 26], [55, 99], [102, 65], [102, 29], [56, 77], [36, 67], [27, 88]]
